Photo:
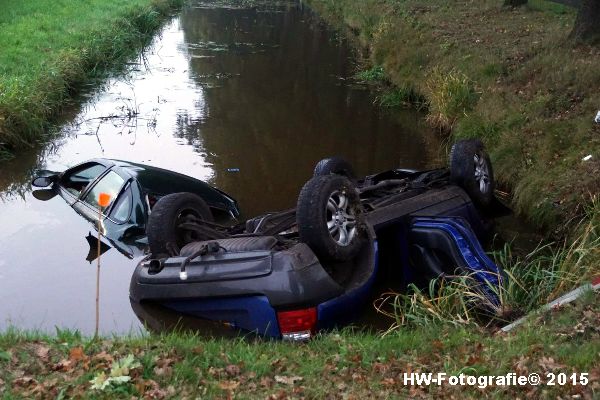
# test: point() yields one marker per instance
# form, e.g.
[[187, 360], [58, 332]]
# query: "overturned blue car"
[[292, 273]]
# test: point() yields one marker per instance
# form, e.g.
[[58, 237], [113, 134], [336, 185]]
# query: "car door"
[[87, 204]]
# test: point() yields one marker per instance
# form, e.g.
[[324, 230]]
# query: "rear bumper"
[[288, 278], [251, 303]]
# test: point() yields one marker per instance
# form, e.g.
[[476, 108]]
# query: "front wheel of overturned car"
[[165, 236], [328, 216], [334, 165], [471, 168]]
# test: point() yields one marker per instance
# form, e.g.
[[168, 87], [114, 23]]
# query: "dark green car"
[[133, 190]]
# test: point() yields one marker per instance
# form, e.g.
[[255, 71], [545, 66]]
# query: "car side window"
[[76, 180], [111, 183], [122, 208]]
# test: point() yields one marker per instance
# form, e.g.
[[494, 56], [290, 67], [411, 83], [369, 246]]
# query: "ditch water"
[[245, 98]]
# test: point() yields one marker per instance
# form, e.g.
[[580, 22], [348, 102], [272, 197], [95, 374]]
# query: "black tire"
[[471, 169], [334, 165], [164, 236], [314, 211]]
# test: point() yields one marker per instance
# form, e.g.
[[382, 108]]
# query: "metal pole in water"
[[103, 201], [98, 272]]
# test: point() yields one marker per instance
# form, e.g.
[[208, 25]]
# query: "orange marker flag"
[[104, 200]]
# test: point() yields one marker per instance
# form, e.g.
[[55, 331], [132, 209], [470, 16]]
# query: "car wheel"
[[334, 165], [470, 168], [170, 211], [328, 217]]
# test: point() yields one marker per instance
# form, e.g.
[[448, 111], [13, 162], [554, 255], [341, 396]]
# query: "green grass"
[[49, 47], [509, 76], [402, 96], [374, 74], [345, 364], [451, 95]]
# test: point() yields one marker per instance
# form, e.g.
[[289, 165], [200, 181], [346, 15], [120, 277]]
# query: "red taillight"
[[297, 324]]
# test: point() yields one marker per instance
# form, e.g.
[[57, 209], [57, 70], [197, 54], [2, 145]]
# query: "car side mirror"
[[44, 194], [44, 181]]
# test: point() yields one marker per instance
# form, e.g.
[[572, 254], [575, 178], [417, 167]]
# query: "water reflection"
[[264, 90], [279, 111]]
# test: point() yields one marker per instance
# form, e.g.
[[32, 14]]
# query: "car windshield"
[[76, 180], [111, 184]]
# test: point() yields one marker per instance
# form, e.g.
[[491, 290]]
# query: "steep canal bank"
[[50, 49]]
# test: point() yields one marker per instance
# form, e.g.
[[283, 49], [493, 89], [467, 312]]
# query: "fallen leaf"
[[140, 387], [76, 354], [388, 382], [473, 359], [164, 362], [121, 368], [229, 385], [287, 380], [548, 364], [232, 370], [380, 367], [41, 352], [155, 393], [357, 377], [64, 365], [24, 381], [521, 365], [266, 382], [163, 371], [357, 358], [100, 382], [103, 356], [214, 372], [51, 383], [281, 395]]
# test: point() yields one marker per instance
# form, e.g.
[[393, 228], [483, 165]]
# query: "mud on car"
[[292, 273]]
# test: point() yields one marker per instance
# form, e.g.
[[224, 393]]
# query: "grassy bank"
[[509, 76], [345, 365], [50, 47]]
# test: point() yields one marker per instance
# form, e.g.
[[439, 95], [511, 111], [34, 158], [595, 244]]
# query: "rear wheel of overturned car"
[[328, 216], [334, 165], [470, 168], [165, 236]]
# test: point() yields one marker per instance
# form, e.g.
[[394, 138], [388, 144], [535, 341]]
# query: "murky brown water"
[[265, 90]]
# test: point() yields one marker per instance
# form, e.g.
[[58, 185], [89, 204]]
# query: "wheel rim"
[[482, 173], [341, 218]]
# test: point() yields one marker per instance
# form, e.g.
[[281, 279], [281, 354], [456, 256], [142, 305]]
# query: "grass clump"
[[374, 74], [402, 97], [451, 96], [50, 47], [391, 96]]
